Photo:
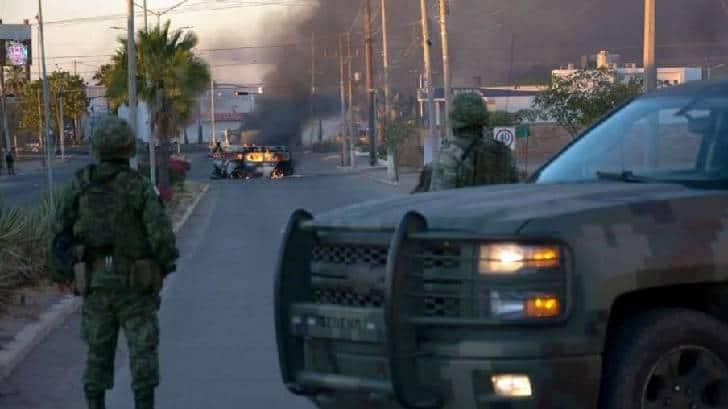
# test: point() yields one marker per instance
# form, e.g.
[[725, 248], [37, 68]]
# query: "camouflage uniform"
[[470, 159], [123, 245]]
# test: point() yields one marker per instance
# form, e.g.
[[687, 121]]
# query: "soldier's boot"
[[144, 399], [96, 400]]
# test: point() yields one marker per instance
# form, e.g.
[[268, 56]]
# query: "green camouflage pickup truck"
[[603, 282]]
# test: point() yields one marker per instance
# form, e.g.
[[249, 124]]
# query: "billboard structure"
[[15, 45]]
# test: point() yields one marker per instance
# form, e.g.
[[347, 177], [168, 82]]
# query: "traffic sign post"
[[507, 135]]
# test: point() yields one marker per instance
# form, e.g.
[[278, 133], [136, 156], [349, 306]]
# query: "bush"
[[177, 166], [165, 193], [178, 171], [25, 234]]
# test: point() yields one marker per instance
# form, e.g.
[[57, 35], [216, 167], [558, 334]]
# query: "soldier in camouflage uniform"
[[123, 247], [469, 159]]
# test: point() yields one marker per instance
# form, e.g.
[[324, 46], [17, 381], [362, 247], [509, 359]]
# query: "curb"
[[33, 334], [191, 209]]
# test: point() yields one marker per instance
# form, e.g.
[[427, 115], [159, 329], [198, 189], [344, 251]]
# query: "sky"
[[81, 31]]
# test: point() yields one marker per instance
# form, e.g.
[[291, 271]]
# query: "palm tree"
[[169, 79]]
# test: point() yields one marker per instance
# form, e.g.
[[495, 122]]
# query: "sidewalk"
[[408, 178], [34, 312], [34, 164]]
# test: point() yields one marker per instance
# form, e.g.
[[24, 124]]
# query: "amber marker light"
[[543, 307]]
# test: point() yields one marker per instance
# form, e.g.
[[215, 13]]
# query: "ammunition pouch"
[[145, 276], [141, 276]]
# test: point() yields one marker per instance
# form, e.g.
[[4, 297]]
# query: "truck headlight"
[[509, 258]]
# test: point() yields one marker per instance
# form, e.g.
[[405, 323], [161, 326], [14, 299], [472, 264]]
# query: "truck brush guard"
[[293, 285]]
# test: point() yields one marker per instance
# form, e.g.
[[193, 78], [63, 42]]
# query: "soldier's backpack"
[[98, 208]]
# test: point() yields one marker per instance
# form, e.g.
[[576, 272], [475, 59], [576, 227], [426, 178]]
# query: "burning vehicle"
[[244, 162]]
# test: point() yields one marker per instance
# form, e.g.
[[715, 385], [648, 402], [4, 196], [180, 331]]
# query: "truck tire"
[[667, 358]]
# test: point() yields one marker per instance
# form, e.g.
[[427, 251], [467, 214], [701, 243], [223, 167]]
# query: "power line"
[[196, 7]]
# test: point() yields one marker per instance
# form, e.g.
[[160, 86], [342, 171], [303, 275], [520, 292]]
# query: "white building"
[[510, 99], [666, 76], [231, 108]]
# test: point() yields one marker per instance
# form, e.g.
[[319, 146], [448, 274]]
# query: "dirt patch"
[[184, 197]]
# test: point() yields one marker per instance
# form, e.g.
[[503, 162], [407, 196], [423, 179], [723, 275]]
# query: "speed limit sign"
[[506, 135]]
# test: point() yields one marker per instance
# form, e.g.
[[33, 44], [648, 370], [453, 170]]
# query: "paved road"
[[31, 181], [217, 338]]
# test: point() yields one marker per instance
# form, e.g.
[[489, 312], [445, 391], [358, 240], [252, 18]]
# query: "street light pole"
[[445, 65], [131, 57], [430, 141], [61, 125], [368, 60], [212, 111], [46, 108], [649, 47], [146, 28]]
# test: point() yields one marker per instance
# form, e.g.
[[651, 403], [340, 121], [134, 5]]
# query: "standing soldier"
[[10, 161], [115, 244], [469, 159]]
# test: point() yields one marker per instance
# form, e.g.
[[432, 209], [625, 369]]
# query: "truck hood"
[[501, 209]]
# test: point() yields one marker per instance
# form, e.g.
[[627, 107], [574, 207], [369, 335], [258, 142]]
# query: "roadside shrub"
[[165, 193], [178, 168], [25, 234], [178, 171]]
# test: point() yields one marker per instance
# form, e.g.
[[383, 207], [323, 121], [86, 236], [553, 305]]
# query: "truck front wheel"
[[668, 358]]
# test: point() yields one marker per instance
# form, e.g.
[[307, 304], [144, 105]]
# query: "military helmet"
[[113, 139], [468, 111]]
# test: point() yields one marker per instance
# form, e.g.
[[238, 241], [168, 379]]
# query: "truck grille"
[[350, 254], [348, 297], [441, 307]]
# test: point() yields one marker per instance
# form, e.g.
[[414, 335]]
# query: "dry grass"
[[24, 243]]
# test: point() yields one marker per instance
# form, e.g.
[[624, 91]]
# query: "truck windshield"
[[658, 139]]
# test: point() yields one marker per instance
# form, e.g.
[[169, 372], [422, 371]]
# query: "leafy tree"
[[169, 79], [63, 87], [580, 99], [14, 80], [395, 128], [504, 118]]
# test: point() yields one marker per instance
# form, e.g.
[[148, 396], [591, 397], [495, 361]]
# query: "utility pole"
[[131, 54], [144, 5], [46, 108], [27, 64], [649, 47], [344, 144], [385, 60], [212, 111], [444, 11], [41, 141], [61, 125], [350, 111], [3, 107], [313, 88], [392, 173], [370, 81], [430, 140], [75, 67]]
